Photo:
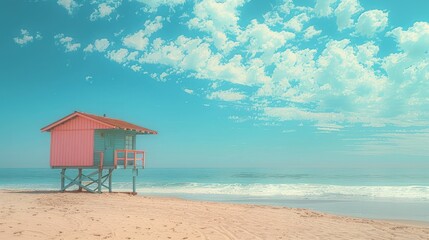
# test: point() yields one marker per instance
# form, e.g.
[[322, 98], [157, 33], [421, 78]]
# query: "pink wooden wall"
[[72, 143]]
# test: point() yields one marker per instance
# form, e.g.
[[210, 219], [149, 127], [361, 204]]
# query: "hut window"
[[128, 142]]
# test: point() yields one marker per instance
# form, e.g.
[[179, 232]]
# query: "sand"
[[52, 215]]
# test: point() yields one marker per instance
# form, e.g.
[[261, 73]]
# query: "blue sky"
[[232, 83]]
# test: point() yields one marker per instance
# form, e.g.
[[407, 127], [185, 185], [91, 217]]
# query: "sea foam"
[[308, 191]]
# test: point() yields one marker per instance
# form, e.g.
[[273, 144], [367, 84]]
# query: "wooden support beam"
[[63, 172], [80, 179], [100, 171], [110, 180], [135, 173]]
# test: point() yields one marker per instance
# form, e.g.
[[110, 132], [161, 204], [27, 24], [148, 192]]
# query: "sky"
[[233, 83]]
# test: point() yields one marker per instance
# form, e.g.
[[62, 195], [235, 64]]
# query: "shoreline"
[[307, 204], [53, 215]]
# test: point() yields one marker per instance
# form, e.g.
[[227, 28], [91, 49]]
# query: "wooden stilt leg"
[[80, 179], [135, 172], [63, 172], [100, 171], [134, 184], [110, 179]]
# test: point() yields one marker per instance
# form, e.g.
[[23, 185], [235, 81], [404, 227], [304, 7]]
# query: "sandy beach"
[[51, 215]]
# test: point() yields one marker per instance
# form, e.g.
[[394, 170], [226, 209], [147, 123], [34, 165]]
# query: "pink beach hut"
[[94, 146]]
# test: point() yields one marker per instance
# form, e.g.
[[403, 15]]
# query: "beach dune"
[[51, 215]]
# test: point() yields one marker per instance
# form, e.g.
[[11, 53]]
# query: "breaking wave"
[[307, 191]]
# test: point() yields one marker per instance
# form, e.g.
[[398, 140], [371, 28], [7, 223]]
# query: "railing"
[[137, 155]]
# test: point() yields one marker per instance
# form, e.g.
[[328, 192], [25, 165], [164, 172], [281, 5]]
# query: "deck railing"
[[136, 155]]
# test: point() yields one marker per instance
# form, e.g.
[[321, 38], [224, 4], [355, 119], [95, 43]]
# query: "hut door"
[[108, 148]]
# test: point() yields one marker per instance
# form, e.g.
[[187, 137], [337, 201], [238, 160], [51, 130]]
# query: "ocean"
[[400, 193]]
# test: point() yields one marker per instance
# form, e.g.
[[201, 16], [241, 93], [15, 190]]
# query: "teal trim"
[[95, 178]]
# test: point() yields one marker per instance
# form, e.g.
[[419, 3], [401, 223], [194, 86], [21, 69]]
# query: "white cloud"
[[229, 95], [69, 5], [231, 71], [344, 12], [297, 22], [311, 32], [371, 22], [140, 39], [188, 91], [163, 75], [136, 68], [195, 55], [119, 56], [406, 98], [222, 42], [214, 16], [136, 41], [287, 6], [67, 42], [323, 8], [187, 54], [104, 9], [414, 41], [356, 87], [100, 45], [153, 5], [26, 37], [220, 20], [367, 54], [328, 127], [340, 85], [261, 39], [293, 76], [272, 18]]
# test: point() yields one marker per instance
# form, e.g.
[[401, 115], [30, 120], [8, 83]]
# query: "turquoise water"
[[373, 193]]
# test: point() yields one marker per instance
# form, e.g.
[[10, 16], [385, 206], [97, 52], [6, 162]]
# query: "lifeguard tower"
[[94, 146]]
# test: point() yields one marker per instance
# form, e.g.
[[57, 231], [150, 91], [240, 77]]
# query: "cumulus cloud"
[[367, 53], [136, 40], [259, 38], [332, 84], [220, 20], [297, 22], [371, 22], [344, 12], [311, 32], [153, 5], [26, 37], [119, 56], [66, 42], [229, 95], [104, 9], [140, 39], [100, 45], [324, 8], [69, 5], [408, 71], [214, 16], [195, 55], [414, 41]]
